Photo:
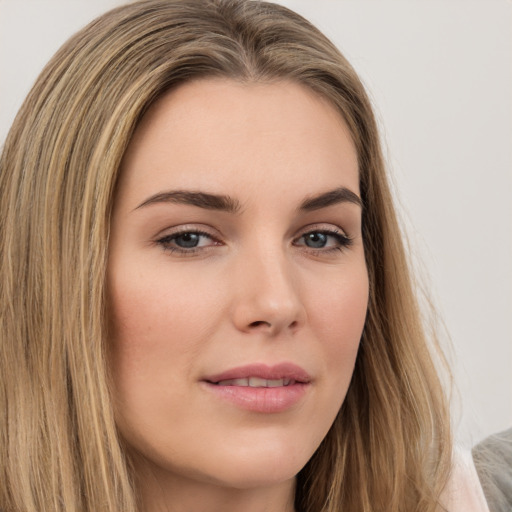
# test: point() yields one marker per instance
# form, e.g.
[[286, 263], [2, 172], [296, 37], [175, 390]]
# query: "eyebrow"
[[200, 199], [332, 197], [230, 205]]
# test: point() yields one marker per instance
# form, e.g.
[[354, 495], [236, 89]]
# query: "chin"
[[256, 464], [247, 475], [252, 462]]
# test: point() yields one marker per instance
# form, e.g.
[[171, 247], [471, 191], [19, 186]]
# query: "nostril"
[[262, 323], [259, 323]]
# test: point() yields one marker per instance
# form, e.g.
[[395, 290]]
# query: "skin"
[[255, 289]]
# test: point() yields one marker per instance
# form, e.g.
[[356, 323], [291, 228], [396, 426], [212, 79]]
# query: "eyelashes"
[[191, 241], [324, 240], [188, 241]]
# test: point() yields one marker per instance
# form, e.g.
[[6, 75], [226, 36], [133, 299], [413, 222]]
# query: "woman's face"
[[237, 281]]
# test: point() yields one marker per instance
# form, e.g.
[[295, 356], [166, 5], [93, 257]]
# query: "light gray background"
[[440, 75]]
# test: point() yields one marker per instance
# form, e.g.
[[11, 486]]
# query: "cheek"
[[338, 317], [152, 327], [158, 311], [161, 322], [156, 335]]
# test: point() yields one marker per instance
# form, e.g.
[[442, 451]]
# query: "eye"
[[187, 242], [324, 240]]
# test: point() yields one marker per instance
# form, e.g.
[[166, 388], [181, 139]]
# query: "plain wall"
[[440, 76]]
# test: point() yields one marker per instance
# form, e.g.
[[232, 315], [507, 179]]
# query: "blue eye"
[[315, 240], [186, 241], [324, 240]]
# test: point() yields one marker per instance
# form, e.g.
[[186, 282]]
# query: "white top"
[[464, 492]]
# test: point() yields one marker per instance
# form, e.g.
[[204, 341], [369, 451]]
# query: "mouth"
[[256, 382], [261, 376], [261, 388]]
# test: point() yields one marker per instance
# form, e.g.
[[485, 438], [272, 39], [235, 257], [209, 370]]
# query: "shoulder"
[[463, 493], [493, 461]]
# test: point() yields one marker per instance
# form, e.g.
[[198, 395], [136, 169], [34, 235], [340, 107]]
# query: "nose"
[[267, 298]]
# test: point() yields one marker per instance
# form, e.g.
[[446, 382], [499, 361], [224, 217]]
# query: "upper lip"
[[263, 371]]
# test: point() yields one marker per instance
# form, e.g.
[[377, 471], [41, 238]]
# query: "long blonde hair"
[[389, 447]]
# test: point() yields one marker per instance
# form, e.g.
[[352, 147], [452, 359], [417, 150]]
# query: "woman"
[[205, 298]]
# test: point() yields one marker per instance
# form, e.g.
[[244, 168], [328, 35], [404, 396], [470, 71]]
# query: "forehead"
[[258, 137]]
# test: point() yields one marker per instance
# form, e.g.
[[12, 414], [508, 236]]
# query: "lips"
[[256, 374], [260, 388], [257, 382]]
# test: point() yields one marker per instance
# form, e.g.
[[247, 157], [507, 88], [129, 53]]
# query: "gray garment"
[[493, 462]]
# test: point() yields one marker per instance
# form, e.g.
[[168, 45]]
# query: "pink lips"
[[261, 388]]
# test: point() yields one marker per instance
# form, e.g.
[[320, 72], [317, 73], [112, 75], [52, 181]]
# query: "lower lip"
[[264, 400]]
